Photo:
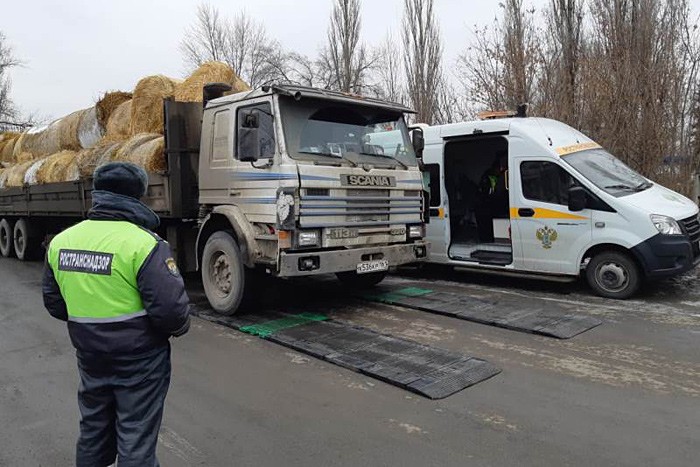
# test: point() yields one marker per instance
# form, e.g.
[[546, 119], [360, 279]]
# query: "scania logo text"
[[368, 180]]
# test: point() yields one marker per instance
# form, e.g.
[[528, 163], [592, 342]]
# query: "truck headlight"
[[666, 225], [308, 238], [415, 231]]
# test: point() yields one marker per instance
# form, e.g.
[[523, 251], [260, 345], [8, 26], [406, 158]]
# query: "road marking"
[[179, 446]]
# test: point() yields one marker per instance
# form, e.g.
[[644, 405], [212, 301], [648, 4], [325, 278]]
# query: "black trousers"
[[121, 407]]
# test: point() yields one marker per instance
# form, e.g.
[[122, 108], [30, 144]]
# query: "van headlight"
[[308, 238], [415, 231], [666, 225]]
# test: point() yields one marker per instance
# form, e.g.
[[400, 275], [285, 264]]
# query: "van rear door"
[[550, 235]]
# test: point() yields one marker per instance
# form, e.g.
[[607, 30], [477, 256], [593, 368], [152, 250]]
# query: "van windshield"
[[326, 131], [607, 172]]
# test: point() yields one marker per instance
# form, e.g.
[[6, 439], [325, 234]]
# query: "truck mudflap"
[[369, 259]]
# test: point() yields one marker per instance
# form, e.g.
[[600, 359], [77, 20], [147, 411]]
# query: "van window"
[[266, 127], [434, 171], [546, 182], [220, 150]]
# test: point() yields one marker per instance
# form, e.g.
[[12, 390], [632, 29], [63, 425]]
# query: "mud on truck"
[[279, 181]]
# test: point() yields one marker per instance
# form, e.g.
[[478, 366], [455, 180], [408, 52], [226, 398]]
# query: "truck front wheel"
[[224, 276], [6, 239], [361, 281], [613, 275]]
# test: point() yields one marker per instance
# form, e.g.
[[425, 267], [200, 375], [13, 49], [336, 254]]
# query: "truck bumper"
[[667, 255], [328, 262]]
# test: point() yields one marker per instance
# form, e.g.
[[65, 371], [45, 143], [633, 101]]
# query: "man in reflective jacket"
[[117, 285]]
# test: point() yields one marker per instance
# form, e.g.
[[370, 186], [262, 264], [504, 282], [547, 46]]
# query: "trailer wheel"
[[361, 281], [6, 239], [227, 282], [25, 241], [613, 275]]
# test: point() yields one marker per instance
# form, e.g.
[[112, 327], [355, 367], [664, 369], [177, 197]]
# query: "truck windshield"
[[607, 172], [325, 131]]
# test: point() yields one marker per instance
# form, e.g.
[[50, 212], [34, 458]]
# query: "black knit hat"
[[123, 178]]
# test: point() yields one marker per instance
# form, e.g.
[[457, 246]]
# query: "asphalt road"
[[624, 393]]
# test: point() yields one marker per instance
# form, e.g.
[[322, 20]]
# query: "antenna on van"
[[522, 110]]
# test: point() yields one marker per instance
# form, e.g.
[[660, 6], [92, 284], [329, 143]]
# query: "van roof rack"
[[495, 114]]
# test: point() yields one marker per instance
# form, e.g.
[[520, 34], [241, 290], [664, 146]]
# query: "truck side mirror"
[[248, 144], [418, 142], [577, 199]]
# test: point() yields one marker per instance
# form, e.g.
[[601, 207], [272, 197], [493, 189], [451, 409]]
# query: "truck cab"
[[537, 197], [296, 181]]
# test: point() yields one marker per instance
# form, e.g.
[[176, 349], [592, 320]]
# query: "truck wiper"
[[330, 154], [643, 186], [389, 156]]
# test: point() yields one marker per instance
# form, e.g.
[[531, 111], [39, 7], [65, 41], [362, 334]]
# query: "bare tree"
[[344, 58], [422, 57], [388, 71], [8, 112], [243, 43]]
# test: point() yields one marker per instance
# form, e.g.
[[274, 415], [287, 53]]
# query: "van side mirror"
[[577, 199], [418, 142]]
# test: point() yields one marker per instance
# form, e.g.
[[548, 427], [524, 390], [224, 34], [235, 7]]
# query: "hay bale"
[[3, 177], [147, 103], [210, 72], [17, 149], [89, 129], [7, 152], [89, 159], [42, 141], [106, 106], [119, 123], [59, 167], [15, 174], [68, 127], [23, 157], [145, 150], [30, 174]]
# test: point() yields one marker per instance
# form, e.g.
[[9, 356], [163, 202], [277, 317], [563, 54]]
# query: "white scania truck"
[[283, 180], [568, 207]]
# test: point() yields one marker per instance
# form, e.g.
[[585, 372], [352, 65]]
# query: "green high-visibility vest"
[[96, 265]]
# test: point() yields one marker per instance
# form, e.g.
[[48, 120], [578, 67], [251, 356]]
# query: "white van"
[[535, 196]]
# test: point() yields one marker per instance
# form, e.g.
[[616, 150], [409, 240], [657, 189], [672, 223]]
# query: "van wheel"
[[6, 239], [360, 281], [25, 241], [227, 282], [613, 275]]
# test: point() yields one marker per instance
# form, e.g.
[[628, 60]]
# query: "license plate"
[[372, 266]]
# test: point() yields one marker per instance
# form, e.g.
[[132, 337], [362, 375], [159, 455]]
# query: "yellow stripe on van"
[[541, 213], [564, 150]]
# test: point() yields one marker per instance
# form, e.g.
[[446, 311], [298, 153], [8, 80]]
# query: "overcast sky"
[[75, 50]]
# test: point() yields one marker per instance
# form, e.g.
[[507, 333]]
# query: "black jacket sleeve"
[[163, 292], [53, 300]]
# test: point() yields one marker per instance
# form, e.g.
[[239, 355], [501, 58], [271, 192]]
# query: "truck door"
[[550, 235]]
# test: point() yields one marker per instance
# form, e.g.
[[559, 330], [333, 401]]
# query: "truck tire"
[[227, 282], [25, 241], [360, 281], [7, 248], [612, 274]]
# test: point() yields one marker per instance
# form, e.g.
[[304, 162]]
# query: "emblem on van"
[[367, 180], [547, 236]]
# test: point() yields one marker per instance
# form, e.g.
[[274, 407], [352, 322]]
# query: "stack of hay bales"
[[121, 126]]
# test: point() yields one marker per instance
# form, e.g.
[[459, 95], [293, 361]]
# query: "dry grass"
[[211, 72], [23, 157], [147, 103], [109, 103], [119, 123], [15, 174], [3, 177], [7, 148], [89, 159], [68, 130], [57, 167], [44, 141], [145, 150]]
